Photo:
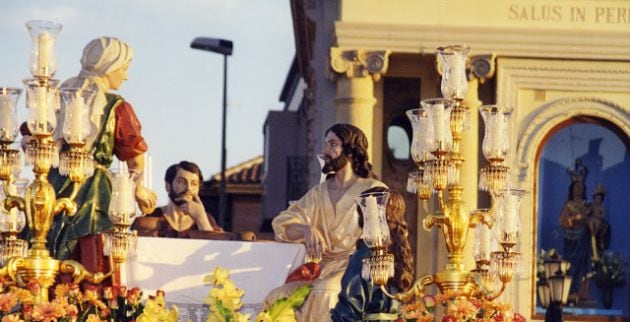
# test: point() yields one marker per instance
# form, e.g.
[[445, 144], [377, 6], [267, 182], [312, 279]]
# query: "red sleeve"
[[128, 140]]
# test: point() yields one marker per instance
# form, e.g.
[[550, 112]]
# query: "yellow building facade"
[[366, 62]]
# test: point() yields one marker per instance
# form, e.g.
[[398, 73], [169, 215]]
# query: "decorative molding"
[[515, 42], [556, 112], [482, 67], [358, 63], [575, 88], [514, 75]]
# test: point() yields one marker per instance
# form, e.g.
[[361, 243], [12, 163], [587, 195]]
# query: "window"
[[398, 142]]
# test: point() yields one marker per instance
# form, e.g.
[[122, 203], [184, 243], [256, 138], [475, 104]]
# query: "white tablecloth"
[[178, 267]]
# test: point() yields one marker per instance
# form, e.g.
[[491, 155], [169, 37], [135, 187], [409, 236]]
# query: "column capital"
[[482, 67], [358, 63]]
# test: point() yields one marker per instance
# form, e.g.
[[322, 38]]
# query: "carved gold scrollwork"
[[358, 63]]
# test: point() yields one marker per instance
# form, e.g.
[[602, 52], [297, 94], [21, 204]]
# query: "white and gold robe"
[[338, 224]]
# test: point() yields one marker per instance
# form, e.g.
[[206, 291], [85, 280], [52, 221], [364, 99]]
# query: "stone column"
[[481, 68], [355, 72]]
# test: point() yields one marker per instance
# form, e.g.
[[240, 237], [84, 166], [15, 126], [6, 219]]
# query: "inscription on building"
[[577, 14]]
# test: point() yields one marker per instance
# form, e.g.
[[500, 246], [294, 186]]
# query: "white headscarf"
[[104, 55], [101, 56]]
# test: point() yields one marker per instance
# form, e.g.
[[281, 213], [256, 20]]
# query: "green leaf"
[[227, 314], [284, 306]]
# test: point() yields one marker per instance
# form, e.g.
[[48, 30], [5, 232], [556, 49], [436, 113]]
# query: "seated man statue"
[[325, 220], [184, 212]]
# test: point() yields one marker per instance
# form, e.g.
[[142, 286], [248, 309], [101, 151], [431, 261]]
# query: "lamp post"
[[553, 291], [223, 47]]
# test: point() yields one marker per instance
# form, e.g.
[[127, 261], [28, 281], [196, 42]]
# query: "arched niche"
[[559, 133]]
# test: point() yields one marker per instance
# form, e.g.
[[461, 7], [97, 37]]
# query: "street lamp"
[[553, 290], [223, 47]]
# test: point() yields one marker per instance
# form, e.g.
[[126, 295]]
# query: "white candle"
[[41, 110], [13, 213], [439, 123], [125, 197], [459, 71], [5, 113], [483, 235], [75, 123], [371, 216], [45, 43], [146, 174], [510, 213], [499, 133]]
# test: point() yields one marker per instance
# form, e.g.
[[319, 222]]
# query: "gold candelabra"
[[40, 203], [438, 127]]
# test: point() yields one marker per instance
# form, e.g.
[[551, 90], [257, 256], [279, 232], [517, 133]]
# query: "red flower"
[[122, 291], [449, 318], [33, 286], [518, 318], [134, 295]]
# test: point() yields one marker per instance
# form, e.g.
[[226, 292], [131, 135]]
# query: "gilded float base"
[[44, 270], [455, 282]]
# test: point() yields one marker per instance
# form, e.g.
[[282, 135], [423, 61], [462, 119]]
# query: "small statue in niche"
[[598, 225], [574, 220]]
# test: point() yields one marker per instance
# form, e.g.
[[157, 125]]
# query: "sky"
[[176, 91]]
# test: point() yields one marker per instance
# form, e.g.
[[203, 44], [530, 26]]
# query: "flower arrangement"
[[459, 309], [224, 298], [610, 270], [70, 304], [224, 301], [541, 257]]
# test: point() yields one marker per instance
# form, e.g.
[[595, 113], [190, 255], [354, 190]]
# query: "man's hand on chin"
[[193, 207]]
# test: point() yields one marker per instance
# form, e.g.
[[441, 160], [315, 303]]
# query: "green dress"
[[94, 195]]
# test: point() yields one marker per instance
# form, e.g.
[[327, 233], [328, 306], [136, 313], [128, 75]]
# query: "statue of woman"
[[104, 67], [577, 238], [361, 300]]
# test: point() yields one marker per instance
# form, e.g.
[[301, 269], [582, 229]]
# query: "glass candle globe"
[[43, 62], [452, 60], [496, 141], [375, 230], [8, 114]]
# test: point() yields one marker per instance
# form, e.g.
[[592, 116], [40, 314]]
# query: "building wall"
[[246, 210], [556, 41], [280, 143]]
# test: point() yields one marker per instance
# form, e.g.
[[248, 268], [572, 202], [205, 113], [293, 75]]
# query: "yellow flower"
[[47, 312], [93, 318], [263, 317], [23, 295], [62, 290], [461, 308], [12, 318], [93, 298], [7, 301], [239, 317], [218, 276], [230, 296], [155, 310]]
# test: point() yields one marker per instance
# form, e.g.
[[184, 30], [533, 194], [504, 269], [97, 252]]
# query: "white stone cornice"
[[548, 43], [358, 63]]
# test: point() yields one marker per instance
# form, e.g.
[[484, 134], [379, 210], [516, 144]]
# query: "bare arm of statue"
[[145, 198], [313, 240]]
